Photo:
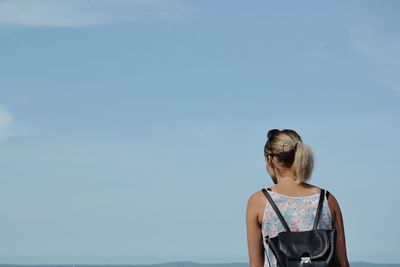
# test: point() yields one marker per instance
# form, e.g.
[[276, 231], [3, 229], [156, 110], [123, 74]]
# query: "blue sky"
[[133, 131]]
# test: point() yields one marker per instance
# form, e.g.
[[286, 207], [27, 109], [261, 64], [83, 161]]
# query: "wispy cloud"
[[81, 13], [382, 51], [318, 53], [314, 57], [8, 126]]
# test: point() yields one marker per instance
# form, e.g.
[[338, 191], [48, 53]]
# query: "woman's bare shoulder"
[[255, 206], [332, 199], [256, 198], [333, 205]]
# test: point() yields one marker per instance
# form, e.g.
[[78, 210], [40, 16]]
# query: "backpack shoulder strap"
[[321, 200], [327, 198], [278, 213]]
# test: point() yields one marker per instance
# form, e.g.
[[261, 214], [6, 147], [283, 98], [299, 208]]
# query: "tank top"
[[298, 212]]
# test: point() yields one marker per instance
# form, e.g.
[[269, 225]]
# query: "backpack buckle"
[[306, 260]]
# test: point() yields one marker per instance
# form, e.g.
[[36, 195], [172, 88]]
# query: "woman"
[[289, 163]]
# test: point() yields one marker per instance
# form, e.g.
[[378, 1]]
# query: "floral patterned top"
[[299, 214]]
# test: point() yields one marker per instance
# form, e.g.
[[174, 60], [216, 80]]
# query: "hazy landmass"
[[183, 264]]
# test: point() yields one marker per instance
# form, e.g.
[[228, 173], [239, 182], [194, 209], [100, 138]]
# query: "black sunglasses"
[[272, 133]]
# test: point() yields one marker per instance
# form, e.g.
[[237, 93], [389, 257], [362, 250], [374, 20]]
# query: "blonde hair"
[[287, 146]]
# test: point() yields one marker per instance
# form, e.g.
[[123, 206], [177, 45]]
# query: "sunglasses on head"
[[272, 133]]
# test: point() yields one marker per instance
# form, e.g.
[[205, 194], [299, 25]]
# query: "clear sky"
[[133, 131]]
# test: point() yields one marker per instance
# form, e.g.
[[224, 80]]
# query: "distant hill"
[[183, 264], [367, 264]]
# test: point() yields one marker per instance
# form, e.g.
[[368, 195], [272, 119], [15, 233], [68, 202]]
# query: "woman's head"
[[287, 153]]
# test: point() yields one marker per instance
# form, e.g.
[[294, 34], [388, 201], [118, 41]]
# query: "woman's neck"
[[286, 181]]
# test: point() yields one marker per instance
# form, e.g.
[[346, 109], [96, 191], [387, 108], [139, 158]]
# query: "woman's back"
[[289, 163], [298, 212]]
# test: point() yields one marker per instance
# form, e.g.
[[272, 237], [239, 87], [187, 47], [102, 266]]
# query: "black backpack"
[[313, 248]]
